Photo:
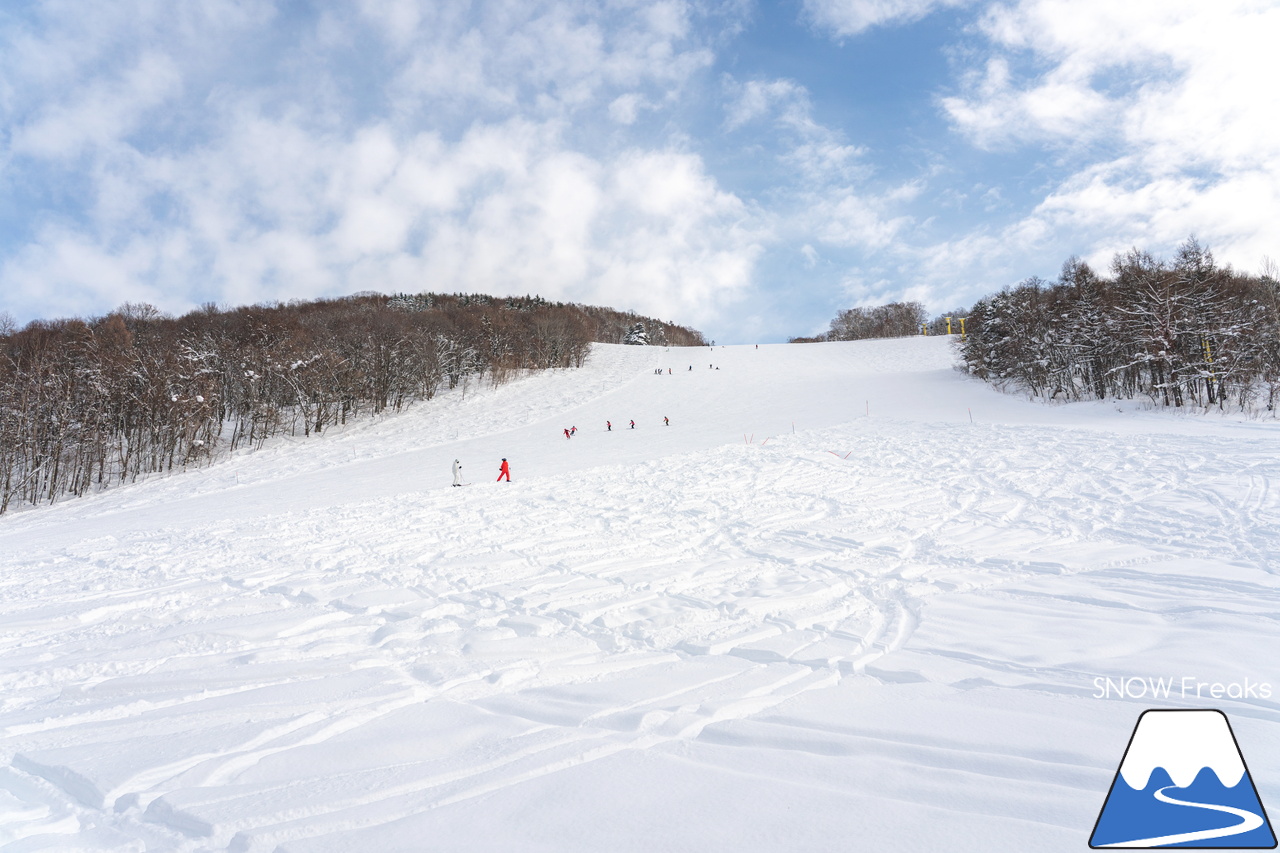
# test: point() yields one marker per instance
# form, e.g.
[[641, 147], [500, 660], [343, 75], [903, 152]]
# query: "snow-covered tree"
[[894, 320], [637, 335], [1182, 333]]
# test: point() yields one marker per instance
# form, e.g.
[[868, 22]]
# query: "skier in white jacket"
[[457, 473]]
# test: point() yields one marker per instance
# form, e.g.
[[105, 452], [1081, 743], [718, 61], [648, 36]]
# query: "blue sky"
[[746, 168]]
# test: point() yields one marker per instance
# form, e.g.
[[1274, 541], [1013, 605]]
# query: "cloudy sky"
[[748, 168]]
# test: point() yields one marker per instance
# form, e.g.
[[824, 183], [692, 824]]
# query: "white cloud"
[[69, 275], [625, 109], [100, 113], [1182, 82], [648, 224], [461, 168], [858, 220], [1059, 107], [828, 198], [851, 17], [1160, 103], [1234, 214], [399, 20], [824, 159], [550, 57], [75, 75], [276, 213], [1142, 122], [247, 150], [758, 99]]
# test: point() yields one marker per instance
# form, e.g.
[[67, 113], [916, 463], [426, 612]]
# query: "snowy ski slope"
[[878, 629]]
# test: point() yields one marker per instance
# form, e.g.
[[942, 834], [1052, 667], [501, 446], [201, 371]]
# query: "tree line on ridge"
[[88, 403]]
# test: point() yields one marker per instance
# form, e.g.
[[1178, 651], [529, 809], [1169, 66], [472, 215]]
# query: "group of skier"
[[504, 470], [608, 425]]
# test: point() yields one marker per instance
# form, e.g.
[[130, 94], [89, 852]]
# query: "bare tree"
[[1189, 332], [88, 404]]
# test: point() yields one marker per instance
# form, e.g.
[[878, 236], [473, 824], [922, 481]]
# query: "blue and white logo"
[[1183, 783]]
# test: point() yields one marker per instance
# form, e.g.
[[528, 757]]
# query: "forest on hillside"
[[85, 404], [893, 320], [1185, 332]]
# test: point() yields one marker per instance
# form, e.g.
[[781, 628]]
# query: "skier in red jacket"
[[504, 471]]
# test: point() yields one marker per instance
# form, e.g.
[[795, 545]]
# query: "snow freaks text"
[[1186, 687]]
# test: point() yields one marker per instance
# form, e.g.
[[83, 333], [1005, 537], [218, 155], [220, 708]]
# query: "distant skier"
[[573, 431], [504, 471], [666, 421], [633, 424], [608, 425], [457, 473], [566, 433]]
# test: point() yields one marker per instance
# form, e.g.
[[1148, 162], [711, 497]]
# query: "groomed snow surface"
[[880, 629]]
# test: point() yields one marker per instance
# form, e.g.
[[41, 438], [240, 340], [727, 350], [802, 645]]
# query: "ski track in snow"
[[894, 621]]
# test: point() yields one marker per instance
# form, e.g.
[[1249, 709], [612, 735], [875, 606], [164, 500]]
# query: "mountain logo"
[[1183, 783]]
